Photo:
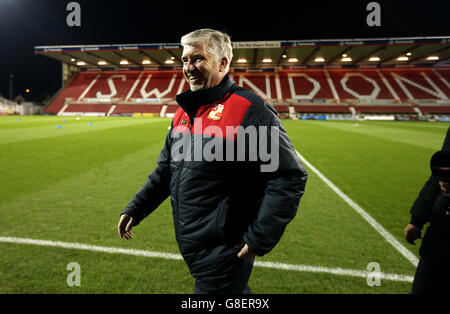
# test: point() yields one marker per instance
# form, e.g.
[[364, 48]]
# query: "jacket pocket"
[[223, 263], [221, 218], [198, 227]]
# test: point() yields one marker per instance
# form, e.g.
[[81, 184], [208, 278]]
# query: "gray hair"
[[219, 44]]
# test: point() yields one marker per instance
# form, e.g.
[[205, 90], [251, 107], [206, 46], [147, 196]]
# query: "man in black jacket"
[[432, 205], [233, 177]]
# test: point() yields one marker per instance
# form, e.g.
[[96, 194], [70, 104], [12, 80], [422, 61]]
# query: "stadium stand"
[[322, 109], [391, 77], [435, 109], [8, 106], [94, 108], [137, 108], [409, 90]]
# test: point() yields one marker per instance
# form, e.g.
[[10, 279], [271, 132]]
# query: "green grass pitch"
[[70, 184]]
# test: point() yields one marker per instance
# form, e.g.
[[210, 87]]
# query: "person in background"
[[433, 205]]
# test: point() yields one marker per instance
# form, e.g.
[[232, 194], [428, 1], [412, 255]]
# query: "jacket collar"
[[190, 101]]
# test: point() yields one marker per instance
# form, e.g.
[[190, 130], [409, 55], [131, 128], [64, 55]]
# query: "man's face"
[[200, 68], [445, 186]]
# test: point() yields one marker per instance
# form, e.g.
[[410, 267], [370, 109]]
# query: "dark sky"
[[28, 23]]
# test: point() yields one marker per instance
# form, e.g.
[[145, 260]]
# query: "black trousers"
[[432, 277], [232, 281]]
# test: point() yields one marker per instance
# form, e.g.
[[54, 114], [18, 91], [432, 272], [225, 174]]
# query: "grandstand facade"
[[346, 79]]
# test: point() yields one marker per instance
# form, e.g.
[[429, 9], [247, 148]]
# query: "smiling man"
[[225, 211], [205, 63]]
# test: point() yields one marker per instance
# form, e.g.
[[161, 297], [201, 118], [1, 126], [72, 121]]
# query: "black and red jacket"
[[217, 204]]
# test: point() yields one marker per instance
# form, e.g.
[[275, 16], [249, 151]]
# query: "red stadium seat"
[[138, 109], [322, 109], [385, 109], [435, 109]]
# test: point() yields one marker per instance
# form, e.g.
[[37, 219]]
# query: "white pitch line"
[[87, 247], [333, 271], [171, 256], [379, 228]]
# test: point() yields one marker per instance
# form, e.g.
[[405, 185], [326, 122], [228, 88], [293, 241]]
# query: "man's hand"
[[412, 233], [125, 224], [245, 251]]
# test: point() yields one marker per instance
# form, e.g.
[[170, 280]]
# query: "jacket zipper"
[[191, 124]]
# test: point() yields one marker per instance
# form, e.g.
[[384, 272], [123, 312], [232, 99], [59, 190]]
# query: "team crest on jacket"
[[216, 112]]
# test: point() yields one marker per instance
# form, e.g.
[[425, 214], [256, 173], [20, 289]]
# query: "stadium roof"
[[269, 54]]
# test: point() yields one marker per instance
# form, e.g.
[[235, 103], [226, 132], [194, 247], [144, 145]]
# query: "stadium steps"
[[162, 113], [63, 109], [113, 107]]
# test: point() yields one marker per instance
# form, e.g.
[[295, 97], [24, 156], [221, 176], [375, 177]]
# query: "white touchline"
[[333, 271], [172, 256], [88, 247], [379, 228]]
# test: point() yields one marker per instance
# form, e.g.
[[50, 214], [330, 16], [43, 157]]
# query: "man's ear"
[[223, 64]]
